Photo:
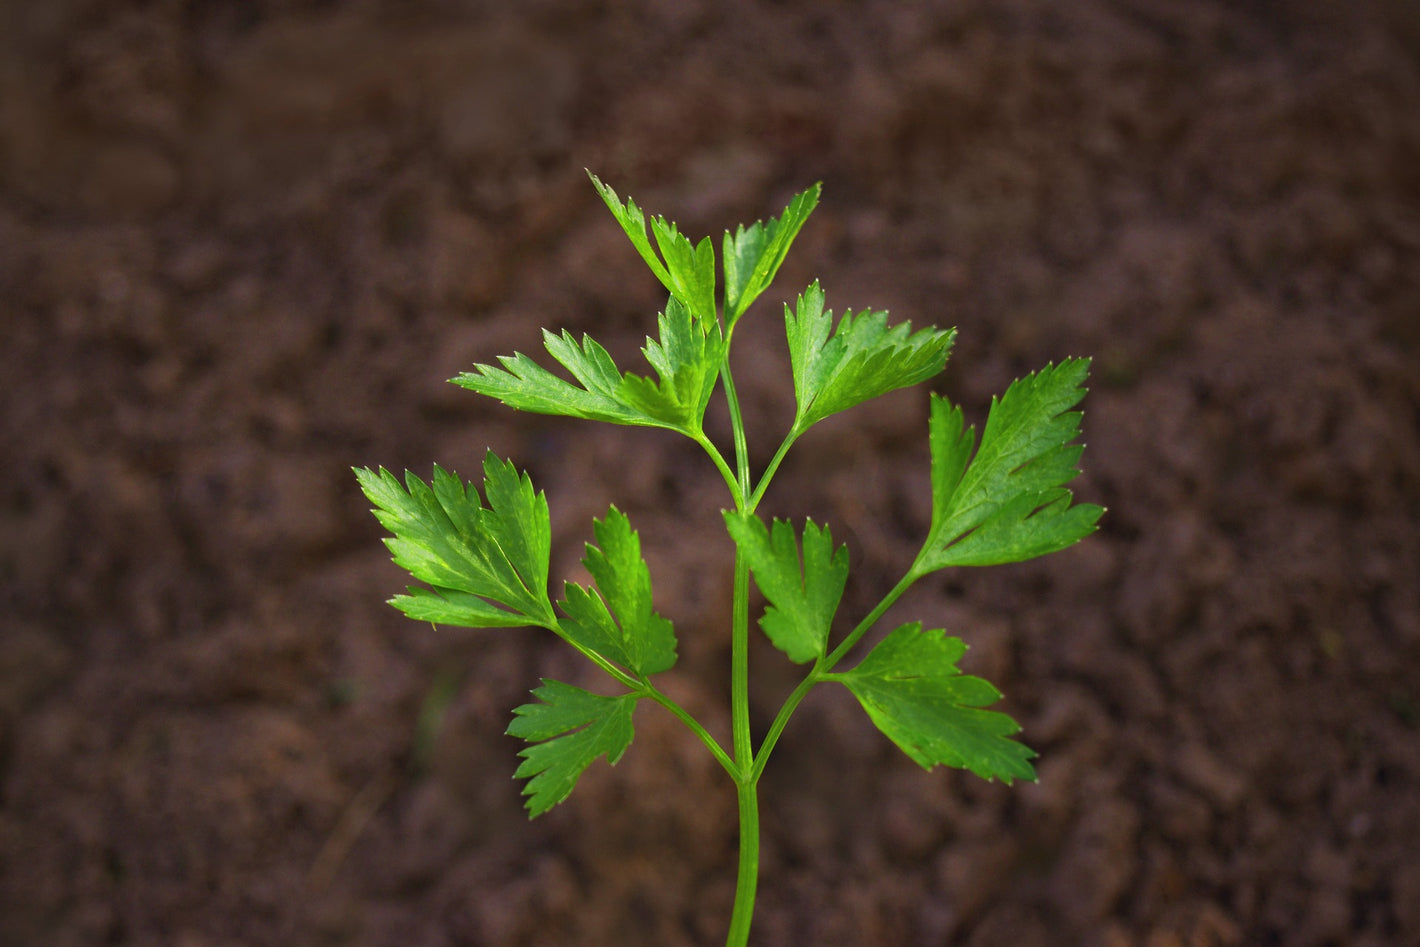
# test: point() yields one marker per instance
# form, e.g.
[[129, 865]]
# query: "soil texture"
[[243, 244]]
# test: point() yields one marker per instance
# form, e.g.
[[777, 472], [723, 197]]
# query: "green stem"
[[773, 467], [722, 466], [739, 629], [748, 879], [739, 671], [645, 688], [737, 424], [821, 669], [554, 625], [868, 621], [746, 785], [695, 726], [782, 719]]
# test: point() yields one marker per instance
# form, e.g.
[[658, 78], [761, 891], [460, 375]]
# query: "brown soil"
[[243, 244]]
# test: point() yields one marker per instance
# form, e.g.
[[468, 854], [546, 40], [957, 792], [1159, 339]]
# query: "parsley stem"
[[687, 718], [782, 719], [737, 424], [746, 782], [746, 779], [739, 672], [555, 625], [821, 671], [773, 467], [868, 621], [720, 464], [645, 688], [748, 879]]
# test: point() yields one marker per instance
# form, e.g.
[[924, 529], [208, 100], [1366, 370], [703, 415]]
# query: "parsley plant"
[[483, 556]]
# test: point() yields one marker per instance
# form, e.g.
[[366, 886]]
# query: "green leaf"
[[633, 221], [525, 385], [913, 691], [617, 620], [450, 607], [1009, 503], [692, 269], [687, 358], [754, 254], [863, 358], [488, 566], [570, 729], [687, 271], [803, 598]]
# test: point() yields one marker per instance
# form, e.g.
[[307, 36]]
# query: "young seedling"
[[484, 558]]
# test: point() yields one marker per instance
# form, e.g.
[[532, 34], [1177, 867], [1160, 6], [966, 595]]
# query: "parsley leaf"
[[862, 359], [754, 254], [488, 566], [525, 385], [1010, 503], [617, 620], [803, 599], [687, 357], [688, 271], [570, 729], [913, 691]]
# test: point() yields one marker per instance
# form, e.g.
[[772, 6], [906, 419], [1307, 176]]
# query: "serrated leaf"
[[754, 254], [450, 607], [633, 221], [617, 620], [523, 384], [569, 729], [1009, 502], [803, 596], [915, 694], [691, 268], [686, 270], [687, 358], [862, 358], [443, 535]]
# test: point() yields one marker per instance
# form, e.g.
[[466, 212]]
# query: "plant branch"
[[869, 621], [732, 400], [723, 466], [748, 878], [821, 670], [746, 786], [687, 718], [771, 470]]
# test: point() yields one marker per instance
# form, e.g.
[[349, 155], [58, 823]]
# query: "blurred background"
[[243, 244]]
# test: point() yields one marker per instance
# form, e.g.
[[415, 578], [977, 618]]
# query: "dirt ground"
[[242, 244]]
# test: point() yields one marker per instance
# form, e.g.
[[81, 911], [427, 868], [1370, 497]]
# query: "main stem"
[[746, 779], [748, 879]]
